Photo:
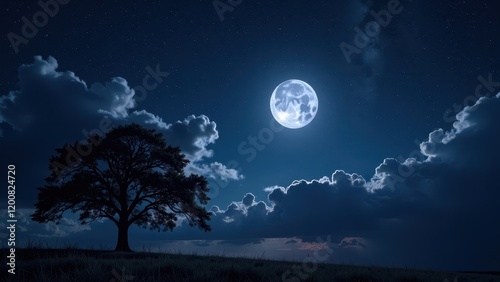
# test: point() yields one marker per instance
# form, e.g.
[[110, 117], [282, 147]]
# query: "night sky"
[[393, 170]]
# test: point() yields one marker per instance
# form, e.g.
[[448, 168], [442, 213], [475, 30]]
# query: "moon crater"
[[294, 103]]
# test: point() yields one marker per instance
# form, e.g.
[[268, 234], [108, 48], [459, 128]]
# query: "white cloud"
[[214, 170], [52, 107], [407, 210], [193, 135], [25, 225], [118, 95]]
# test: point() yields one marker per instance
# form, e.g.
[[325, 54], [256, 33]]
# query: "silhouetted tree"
[[129, 176]]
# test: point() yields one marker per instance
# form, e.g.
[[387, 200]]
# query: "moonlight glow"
[[294, 103]]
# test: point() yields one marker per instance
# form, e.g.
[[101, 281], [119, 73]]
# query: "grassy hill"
[[92, 265]]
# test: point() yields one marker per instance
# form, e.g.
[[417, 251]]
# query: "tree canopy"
[[130, 176]]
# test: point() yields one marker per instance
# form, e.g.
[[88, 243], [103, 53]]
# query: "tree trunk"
[[122, 243]]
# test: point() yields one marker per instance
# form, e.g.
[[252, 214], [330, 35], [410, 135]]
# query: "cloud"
[[144, 117], [246, 241], [52, 107], [202, 243], [438, 211], [225, 173], [47, 96], [368, 64], [27, 228], [193, 135], [353, 242], [372, 36], [117, 95], [479, 119], [313, 246], [40, 83], [248, 200], [65, 228], [214, 170]]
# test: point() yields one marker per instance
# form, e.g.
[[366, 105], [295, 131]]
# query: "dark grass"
[[72, 264]]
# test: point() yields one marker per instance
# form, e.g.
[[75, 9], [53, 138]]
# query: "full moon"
[[294, 103]]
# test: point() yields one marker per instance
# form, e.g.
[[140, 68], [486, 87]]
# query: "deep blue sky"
[[381, 105]]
